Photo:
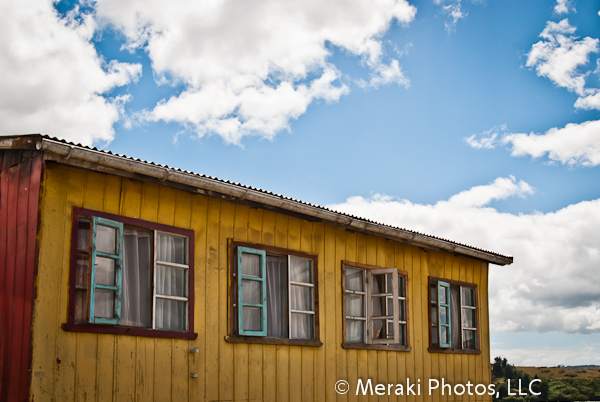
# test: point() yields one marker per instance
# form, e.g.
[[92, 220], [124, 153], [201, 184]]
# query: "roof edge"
[[67, 151]]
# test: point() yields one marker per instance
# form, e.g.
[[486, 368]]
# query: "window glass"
[[171, 281], [105, 271], [170, 315], [300, 270], [355, 305], [251, 291], [354, 279], [104, 303], [106, 239], [301, 298], [171, 249], [355, 331], [251, 265], [301, 326], [468, 298]]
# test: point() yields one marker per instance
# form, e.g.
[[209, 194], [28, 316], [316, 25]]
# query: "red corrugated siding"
[[20, 174]]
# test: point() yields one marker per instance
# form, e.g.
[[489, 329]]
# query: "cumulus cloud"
[[551, 286], [563, 7], [52, 78], [560, 56], [453, 10], [486, 139], [574, 144], [248, 68]]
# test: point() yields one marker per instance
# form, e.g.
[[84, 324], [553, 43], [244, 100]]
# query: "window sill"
[[393, 348], [273, 341], [455, 351], [116, 330]]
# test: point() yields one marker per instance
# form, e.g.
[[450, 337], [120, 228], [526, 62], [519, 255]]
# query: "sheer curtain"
[[454, 317], [276, 297], [170, 281], [136, 279]]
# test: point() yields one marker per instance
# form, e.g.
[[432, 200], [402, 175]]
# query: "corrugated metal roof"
[[254, 189]]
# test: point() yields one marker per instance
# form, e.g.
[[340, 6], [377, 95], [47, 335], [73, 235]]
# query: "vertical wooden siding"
[[93, 367], [20, 173]]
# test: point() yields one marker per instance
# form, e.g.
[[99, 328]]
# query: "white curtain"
[[170, 281], [276, 297], [454, 317], [136, 281], [301, 299]]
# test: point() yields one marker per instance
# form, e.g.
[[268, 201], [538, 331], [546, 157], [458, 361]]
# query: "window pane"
[[379, 283], [444, 335], [434, 293], [106, 239], [171, 249], [402, 311], [105, 271], [81, 277], [468, 318], [434, 316], [301, 326], [403, 334], [83, 235], [251, 265], [469, 339], [300, 270], [401, 286], [444, 315], [301, 298], [277, 310], [355, 305], [170, 314], [381, 330], [252, 319], [104, 303], [381, 307], [354, 279], [136, 278], [171, 281], [355, 331], [251, 292], [444, 295], [468, 297], [81, 306], [434, 336], [389, 280]]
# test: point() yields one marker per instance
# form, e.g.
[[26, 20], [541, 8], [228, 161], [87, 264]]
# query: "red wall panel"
[[20, 175]]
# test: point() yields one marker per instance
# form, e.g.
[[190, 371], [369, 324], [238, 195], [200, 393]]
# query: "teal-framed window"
[[130, 274], [274, 295], [453, 315], [106, 271]]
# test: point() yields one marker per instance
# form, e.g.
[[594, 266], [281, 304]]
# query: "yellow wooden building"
[[154, 284]]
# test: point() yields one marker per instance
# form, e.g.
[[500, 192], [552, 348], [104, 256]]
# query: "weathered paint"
[[20, 173], [71, 366]]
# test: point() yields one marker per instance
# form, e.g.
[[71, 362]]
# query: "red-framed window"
[[131, 277]]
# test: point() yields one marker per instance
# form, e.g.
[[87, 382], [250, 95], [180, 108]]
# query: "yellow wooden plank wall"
[[70, 366]]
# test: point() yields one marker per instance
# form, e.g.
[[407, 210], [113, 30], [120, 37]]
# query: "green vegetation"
[[550, 389]]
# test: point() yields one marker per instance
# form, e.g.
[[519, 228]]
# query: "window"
[[130, 276], [274, 296], [375, 306], [453, 316]]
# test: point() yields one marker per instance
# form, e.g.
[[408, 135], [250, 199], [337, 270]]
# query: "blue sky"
[[474, 120]]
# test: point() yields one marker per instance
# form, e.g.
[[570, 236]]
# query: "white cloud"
[[563, 7], [552, 284], [453, 9], [251, 67], [486, 139], [561, 54], [574, 144], [52, 78]]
